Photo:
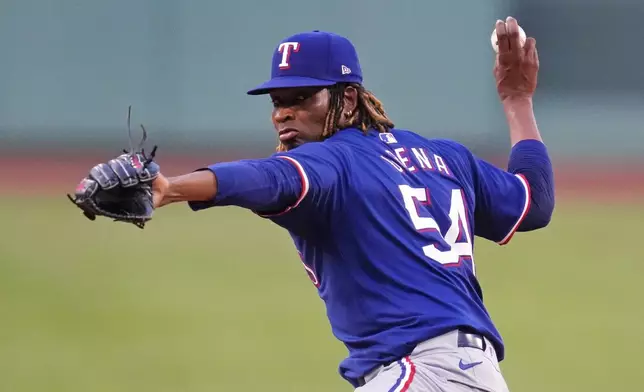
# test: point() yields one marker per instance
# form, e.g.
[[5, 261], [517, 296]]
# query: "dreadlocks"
[[369, 112]]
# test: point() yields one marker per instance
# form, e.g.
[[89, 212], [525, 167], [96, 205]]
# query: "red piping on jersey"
[[305, 187], [526, 208]]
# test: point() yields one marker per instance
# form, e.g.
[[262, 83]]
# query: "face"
[[299, 114]]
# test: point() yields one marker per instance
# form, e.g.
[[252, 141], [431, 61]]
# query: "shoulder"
[[324, 151], [455, 154], [323, 162], [451, 147], [447, 147]]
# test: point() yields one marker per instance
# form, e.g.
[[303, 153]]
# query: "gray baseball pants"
[[453, 362]]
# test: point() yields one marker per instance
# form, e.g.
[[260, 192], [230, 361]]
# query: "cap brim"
[[289, 82]]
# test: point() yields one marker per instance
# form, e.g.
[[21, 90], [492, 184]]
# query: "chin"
[[292, 144]]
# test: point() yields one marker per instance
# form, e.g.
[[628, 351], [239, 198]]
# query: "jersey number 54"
[[457, 240]]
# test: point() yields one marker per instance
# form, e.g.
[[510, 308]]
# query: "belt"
[[464, 339], [472, 340]]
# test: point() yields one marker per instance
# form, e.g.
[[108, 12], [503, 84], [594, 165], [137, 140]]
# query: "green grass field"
[[218, 300]]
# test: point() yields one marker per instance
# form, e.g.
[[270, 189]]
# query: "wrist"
[[517, 102], [160, 191], [521, 119], [518, 109]]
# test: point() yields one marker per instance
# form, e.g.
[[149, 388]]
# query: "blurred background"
[[218, 300]]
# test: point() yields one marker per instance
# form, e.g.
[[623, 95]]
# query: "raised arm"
[[516, 69], [521, 198]]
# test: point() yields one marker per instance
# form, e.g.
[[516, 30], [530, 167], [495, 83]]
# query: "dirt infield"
[[49, 175]]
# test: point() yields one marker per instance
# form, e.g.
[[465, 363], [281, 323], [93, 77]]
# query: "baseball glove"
[[120, 189]]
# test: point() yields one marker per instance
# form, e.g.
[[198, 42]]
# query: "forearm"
[[521, 120], [197, 186]]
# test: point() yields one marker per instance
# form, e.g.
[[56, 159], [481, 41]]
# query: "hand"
[[516, 67]]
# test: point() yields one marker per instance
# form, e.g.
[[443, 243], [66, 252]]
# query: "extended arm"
[[269, 184]]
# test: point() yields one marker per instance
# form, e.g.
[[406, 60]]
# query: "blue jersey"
[[385, 225]]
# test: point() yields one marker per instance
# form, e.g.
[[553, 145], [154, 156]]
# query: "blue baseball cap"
[[312, 59]]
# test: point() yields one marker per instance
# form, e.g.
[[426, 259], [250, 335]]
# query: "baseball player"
[[383, 219]]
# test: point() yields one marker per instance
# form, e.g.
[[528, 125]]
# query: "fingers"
[[530, 51], [529, 47], [510, 48], [502, 38], [536, 57], [512, 28]]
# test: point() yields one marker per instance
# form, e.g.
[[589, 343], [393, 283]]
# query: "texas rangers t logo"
[[286, 48]]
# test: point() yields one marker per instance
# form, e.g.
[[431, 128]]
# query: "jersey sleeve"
[[321, 169], [502, 201], [257, 184], [274, 186]]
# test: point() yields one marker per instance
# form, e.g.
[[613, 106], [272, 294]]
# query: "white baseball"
[[493, 40]]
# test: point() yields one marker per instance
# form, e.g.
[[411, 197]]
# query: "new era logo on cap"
[[312, 59]]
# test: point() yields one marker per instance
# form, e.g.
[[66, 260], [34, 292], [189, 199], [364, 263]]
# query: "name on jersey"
[[415, 159]]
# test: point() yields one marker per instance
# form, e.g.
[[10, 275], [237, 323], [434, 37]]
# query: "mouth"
[[287, 134]]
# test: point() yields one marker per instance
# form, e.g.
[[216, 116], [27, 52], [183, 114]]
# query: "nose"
[[283, 114]]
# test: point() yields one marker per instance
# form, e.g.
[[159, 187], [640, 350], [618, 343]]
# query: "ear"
[[350, 101]]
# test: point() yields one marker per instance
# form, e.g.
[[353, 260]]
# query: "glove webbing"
[[137, 220]]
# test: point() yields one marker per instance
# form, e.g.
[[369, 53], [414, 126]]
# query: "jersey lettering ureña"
[[385, 225]]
